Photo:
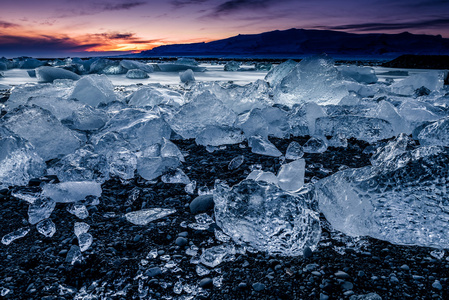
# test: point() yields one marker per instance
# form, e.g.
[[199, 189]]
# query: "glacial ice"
[[402, 200], [93, 90], [136, 74], [48, 136], [218, 135], [266, 218], [214, 256], [105, 66], [432, 80], [269, 121], [314, 79], [263, 146], [132, 64], [152, 96], [80, 228], [18, 160], [436, 133], [316, 144], [11, 237], [21, 94], [294, 151], [302, 118], [203, 110], [359, 74], [175, 176], [72, 191], [84, 241], [145, 216], [232, 66], [46, 227], [275, 76], [259, 175], [236, 162], [187, 76], [152, 167], [49, 74], [79, 210], [30, 63], [40, 209], [139, 127], [291, 175], [362, 128]]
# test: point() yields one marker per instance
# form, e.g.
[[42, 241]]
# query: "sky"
[[61, 28]]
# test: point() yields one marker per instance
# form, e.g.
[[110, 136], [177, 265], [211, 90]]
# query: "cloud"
[[435, 23], [125, 37], [119, 6], [182, 3], [94, 8], [234, 6], [4, 24]]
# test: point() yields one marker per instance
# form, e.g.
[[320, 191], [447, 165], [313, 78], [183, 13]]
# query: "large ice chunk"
[[362, 128], [11, 237], [18, 160], [266, 218], [82, 165], [132, 64], [217, 136], [49, 74], [105, 66], [152, 167], [403, 200], [314, 79], [433, 80], [275, 76], [139, 127], [269, 121], [40, 209], [30, 63], [66, 192], [202, 111], [49, 137], [302, 118], [136, 74], [386, 111], [359, 74], [93, 90], [436, 133], [151, 96], [21, 94]]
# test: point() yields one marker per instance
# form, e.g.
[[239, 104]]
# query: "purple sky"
[[85, 27]]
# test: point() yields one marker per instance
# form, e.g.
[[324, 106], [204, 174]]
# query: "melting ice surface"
[[86, 130]]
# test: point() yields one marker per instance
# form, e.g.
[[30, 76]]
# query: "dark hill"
[[300, 42]]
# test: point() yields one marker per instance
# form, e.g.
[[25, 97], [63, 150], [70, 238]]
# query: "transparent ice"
[[263, 147], [66, 192], [136, 74], [219, 135], [145, 216], [236, 162], [294, 151], [266, 218], [400, 200], [49, 74], [40, 209], [80, 228], [316, 144], [93, 90], [291, 175], [46, 227], [79, 210], [214, 256], [11, 237], [187, 76]]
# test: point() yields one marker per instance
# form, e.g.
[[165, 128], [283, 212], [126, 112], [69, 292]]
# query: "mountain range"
[[297, 43]]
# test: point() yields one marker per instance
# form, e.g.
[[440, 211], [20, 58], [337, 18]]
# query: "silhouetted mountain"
[[301, 42]]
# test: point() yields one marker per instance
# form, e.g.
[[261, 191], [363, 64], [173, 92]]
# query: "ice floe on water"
[[82, 129]]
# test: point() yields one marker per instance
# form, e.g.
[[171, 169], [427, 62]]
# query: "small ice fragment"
[[221, 236], [263, 147], [187, 76], [315, 145], [74, 255], [4, 291], [133, 196], [136, 74], [259, 175], [177, 288], [192, 251], [291, 175], [72, 191], [175, 176], [40, 209], [46, 227], [19, 233], [190, 187], [152, 254], [236, 162], [203, 221], [84, 241], [438, 254], [80, 228], [294, 151], [169, 149], [145, 216], [214, 256], [202, 270], [78, 210]]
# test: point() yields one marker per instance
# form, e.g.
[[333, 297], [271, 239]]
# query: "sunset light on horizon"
[[59, 28]]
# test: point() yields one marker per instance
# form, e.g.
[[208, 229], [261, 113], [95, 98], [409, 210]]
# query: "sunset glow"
[[84, 28]]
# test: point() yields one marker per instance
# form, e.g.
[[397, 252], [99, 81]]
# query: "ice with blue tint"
[[93, 90], [266, 218], [49, 74]]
